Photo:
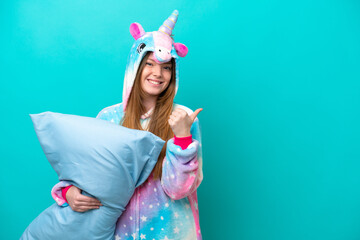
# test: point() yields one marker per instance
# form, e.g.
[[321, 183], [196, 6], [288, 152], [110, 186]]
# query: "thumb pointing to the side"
[[194, 114]]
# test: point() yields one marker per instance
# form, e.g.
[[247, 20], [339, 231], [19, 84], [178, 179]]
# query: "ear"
[[136, 30], [181, 49]]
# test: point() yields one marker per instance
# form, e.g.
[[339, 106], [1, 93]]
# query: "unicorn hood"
[[159, 42]]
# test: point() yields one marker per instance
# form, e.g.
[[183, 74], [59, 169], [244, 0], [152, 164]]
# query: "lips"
[[154, 82]]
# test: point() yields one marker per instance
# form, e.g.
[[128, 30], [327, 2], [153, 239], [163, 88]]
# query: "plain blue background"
[[278, 81]]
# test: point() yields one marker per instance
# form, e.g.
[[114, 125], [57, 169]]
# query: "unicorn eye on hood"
[[140, 47], [159, 42]]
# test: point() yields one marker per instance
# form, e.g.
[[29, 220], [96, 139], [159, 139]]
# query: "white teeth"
[[153, 82]]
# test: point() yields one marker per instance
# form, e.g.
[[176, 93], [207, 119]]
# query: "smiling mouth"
[[155, 82]]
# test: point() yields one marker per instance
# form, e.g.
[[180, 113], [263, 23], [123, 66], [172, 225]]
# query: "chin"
[[153, 94]]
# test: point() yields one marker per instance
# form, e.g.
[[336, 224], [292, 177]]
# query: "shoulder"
[[113, 111]]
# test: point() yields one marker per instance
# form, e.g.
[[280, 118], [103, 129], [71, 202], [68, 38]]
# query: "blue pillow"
[[105, 160]]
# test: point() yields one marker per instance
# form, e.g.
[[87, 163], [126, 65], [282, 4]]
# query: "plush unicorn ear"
[[136, 30], [181, 49]]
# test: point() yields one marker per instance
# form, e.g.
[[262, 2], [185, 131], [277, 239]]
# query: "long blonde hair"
[[158, 124]]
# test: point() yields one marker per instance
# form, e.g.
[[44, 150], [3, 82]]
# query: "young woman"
[[165, 206]]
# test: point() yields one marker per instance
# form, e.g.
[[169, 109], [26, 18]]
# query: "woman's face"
[[155, 77]]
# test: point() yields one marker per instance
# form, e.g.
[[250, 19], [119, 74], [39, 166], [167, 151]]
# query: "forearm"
[[180, 170]]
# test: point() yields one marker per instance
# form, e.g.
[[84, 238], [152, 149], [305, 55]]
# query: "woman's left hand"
[[180, 122]]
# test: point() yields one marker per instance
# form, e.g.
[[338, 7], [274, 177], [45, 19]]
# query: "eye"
[[167, 67], [149, 63]]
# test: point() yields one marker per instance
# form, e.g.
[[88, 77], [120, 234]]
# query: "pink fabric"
[[153, 57], [136, 30], [181, 49], [183, 142], [64, 191], [56, 193], [162, 44]]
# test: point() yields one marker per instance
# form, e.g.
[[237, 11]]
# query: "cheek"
[[167, 76], [143, 76], [167, 82]]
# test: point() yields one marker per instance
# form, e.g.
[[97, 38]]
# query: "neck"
[[149, 102]]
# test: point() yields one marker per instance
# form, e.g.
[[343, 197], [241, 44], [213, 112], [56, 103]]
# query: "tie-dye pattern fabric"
[[166, 209], [160, 43]]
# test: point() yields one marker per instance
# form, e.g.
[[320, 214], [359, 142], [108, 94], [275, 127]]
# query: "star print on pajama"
[[165, 208], [161, 209]]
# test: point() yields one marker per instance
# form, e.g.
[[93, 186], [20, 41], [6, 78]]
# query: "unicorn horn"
[[169, 23]]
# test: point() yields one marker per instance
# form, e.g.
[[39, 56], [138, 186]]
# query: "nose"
[[157, 71]]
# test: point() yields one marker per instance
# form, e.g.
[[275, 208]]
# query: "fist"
[[79, 202], [180, 122]]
